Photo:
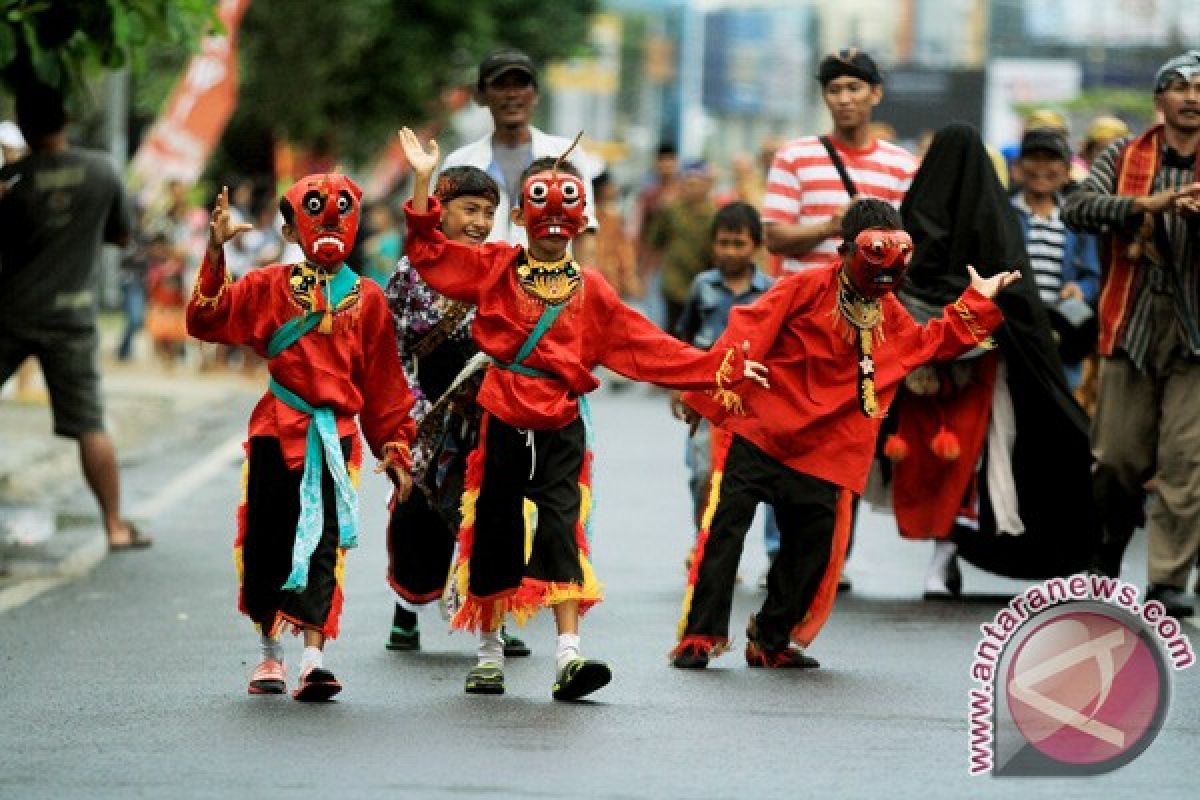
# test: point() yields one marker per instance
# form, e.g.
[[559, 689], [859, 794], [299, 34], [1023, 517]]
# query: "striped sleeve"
[[782, 200], [1094, 207]]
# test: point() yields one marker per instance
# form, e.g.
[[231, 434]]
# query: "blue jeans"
[[133, 303]]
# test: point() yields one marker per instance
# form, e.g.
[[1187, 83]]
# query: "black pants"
[[556, 461], [268, 536], [806, 510], [420, 545]]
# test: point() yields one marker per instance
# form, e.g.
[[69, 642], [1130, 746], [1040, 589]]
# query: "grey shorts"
[[68, 361]]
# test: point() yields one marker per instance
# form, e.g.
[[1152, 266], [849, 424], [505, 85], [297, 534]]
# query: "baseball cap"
[[1045, 140], [501, 61]]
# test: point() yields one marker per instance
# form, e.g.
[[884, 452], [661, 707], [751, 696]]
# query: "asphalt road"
[[131, 681]]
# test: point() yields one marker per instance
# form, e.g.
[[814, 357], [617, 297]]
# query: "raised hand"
[[990, 287], [221, 227], [422, 161]]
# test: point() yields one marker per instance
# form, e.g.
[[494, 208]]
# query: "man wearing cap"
[[1142, 194], [1064, 262], [508, 87], [806, 190]]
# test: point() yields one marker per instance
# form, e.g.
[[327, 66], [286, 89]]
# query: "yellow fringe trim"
[[730, 400], [198, 297], [710, 510]]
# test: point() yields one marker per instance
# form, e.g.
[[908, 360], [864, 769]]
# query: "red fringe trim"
[[696, 644], [822, 605], [476, 611]]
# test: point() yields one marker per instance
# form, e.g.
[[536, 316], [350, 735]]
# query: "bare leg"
[[99, 460], [314, 638], [566, 616]]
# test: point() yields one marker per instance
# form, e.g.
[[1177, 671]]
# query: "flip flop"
[[136, 540]]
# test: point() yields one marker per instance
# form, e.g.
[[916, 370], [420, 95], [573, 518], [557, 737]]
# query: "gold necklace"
[[549, 281], [864, 315]]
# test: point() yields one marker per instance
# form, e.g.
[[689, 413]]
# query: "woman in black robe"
[[957, 213]]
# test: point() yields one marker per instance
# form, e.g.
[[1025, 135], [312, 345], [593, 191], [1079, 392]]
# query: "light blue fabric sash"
[[322, 446]]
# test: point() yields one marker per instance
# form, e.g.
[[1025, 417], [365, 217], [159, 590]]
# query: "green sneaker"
[[579, 678], [485, 678], [513, 647], [404, 639]]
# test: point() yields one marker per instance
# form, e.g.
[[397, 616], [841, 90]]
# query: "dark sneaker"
[[790, 657], [1174, 601], [514, 647], [404, 639], [579, 678], [485, 678], [691, 658], [316, 686]]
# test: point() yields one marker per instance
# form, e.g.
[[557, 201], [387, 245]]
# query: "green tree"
[[61, 43], [351, 72]]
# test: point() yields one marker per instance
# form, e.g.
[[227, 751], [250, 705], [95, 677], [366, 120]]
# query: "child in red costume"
[[546, 323], [331, 353], [838, 344]]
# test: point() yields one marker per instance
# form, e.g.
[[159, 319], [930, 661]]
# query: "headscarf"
[[850, 62]]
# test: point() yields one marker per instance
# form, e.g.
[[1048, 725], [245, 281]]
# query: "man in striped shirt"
[[806, 194], [1142, 193]]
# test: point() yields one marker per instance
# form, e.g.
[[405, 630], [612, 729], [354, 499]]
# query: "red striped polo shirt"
[[803, 187]]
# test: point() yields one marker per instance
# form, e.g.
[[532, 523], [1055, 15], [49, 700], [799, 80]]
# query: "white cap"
[[10, 135]]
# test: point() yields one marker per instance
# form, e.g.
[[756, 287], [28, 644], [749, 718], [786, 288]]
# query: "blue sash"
[[322, 446]]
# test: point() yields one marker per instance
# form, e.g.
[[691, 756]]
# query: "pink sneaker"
[[269, 677]]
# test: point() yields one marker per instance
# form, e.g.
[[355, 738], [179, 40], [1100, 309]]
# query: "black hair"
[[286, 211], [545, 164], [867, 213], [456, 182], [40, 112], [600, 181], [667, 149], [736, 217]]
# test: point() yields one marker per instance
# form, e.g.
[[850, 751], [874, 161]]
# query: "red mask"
[[326, 210], [878, 261], [553, 204]]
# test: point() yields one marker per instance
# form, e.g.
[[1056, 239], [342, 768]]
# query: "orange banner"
[[191, 124]]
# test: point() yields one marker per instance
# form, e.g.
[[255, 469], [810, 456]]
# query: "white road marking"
[[218, 459]]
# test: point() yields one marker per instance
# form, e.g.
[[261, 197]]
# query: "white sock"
[[944, 551], [272, 649], [491, 648], [313, 657], [567, 650]]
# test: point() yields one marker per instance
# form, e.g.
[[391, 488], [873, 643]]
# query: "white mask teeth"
[[329, 240]]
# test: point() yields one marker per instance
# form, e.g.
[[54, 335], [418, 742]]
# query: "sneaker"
[[580, 677], [691, 658], [269, 677], [789, 657], [513, 646], [404, 639], [316, 686], [1173, 600], [486, 678]]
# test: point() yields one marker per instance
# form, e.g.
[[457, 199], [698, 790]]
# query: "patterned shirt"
[[1095, 207], [1046, 244], [804, 188], [416, 310]]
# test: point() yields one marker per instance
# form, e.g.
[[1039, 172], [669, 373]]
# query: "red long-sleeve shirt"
[[594, 328], [355, 370], [810, 419]]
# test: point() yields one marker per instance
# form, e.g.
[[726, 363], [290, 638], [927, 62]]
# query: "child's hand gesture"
[[221, 227], [990, 287], [402, 481], [422, 161]]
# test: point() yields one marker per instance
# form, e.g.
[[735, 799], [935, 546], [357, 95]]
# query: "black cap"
[[502, 61], [850, 62], [1045, 140]]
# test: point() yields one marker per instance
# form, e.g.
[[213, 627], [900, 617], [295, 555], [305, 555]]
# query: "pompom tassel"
[[895, 448], [945, 445]]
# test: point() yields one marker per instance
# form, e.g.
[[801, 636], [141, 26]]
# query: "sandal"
[[137, 541]]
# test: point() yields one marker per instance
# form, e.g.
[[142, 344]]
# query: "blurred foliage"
[[63, 42], [345, 75], [1132, 105]]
